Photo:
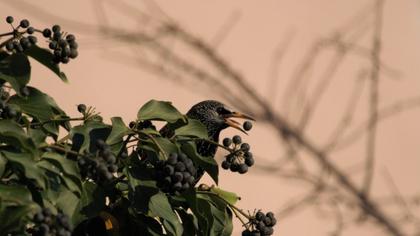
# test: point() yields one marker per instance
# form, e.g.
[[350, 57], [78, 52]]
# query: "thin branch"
[[374, 98], [383, 114]]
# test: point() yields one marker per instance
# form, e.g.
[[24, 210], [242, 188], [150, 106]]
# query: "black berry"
[[243, 169], [24, 23], [9, 46], [81, 108], [176, 174], [52, 45], [46, 33], [56, 28], [9, 19], [249, 161], [30, 30], [70, 38], [247, 125], [225, 164], [237, 139], [227, 142], [245, 147], [32, 39]]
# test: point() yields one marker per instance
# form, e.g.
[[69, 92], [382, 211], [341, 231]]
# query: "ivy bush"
[[64, 175]]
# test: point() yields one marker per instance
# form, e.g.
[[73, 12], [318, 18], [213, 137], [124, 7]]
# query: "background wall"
[[251, 36]]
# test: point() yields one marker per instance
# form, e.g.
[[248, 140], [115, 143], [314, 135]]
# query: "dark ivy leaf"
[[11, 133], [142, 185], [45, 57], [159, 206], [14, 218], [42, 108], [16, 70], [189, 222], [230, 197], [193, 128], [84, 136], [90, 204], [118, 131], [159, 110], [3, 162], [219, 217], [70, 171], [207, 163], [15, 195], [25, 162]]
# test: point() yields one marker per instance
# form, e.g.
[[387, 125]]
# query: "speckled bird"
[[216, 117]]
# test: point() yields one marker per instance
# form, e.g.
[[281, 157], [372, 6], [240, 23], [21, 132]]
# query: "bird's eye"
[[222, 110]]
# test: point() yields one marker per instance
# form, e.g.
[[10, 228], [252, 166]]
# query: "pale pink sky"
[[119, 90]]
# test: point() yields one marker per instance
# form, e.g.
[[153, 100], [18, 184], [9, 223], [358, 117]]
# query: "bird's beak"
[[235, 124]]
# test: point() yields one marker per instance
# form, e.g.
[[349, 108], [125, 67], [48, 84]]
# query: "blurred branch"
[[374, 97], [217, 75]]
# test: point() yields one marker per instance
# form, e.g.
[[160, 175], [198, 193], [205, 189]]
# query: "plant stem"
[[59, 148], [6, 34], [210, 141], [64, 138], [56, 120], [155, 142], [228, 203], [239, 217]]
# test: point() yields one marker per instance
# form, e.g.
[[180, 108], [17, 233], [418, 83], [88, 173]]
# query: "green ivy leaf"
[[68, 167], [45, 57], [68, 182], [15, 195], [191, 197], [167, 146], [159, 206], [230, 197], [37, 135], [16, 70], [11, 133], [14, 219], [193, 128], [84, 136], [207, 163], [25, 162], [41, 107], [189, 222], [159, 110], [118, 131], [67, 202], [219, 217], [90, 204], [3, 162]]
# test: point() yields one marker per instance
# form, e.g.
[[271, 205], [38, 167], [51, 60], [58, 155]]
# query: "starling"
[[216, 117]]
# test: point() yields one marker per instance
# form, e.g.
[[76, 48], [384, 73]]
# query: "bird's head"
[[216, 116]]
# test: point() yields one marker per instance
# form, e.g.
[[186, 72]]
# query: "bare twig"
[[374, 97]]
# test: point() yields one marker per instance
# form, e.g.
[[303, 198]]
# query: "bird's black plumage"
[[210, 113]]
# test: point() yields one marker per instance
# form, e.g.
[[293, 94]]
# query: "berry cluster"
[[261, 224], [239, 158], [176, 174], [48, 224], [99, 167], [6, 111], [64, 45], [19, 42]]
